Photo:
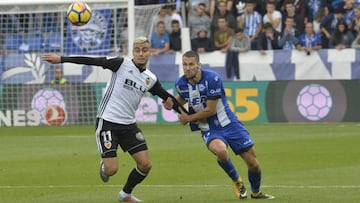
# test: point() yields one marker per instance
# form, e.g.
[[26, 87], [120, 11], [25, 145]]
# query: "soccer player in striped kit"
[[116, 122], [209, 112]]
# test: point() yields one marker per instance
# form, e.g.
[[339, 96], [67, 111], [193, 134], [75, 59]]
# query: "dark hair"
[[175, 22], [338, 36], [239, 29], [268, 25], [202, 4], [192, 54], [289, 2], [339, 9]]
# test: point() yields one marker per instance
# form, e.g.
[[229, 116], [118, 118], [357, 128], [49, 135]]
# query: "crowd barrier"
[[280, 86], [326, 64]]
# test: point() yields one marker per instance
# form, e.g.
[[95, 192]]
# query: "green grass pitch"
[[300, 163]]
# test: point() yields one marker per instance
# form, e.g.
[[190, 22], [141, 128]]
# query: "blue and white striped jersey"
[[252, 22], [209, 87]]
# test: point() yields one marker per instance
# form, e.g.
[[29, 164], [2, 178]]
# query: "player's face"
[[141, 54], [191, 68]]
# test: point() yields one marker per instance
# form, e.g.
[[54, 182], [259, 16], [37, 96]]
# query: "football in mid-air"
[[79, 13]]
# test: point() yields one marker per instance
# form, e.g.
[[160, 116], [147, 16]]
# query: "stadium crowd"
[[235, 26], [265, 24], [224, 25]]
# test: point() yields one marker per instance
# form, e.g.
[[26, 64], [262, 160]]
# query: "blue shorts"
[[234, 135]]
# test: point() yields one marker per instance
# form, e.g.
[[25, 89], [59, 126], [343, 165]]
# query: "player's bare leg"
[[218, 147], [254, 174], [108, 167], [138, 174]]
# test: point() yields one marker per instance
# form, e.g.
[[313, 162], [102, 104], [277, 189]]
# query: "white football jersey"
[[123, 93], [126, 87]]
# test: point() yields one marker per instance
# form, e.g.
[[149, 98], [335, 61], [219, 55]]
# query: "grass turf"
[[300, 163]]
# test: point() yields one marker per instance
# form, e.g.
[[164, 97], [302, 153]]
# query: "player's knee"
[[111, 170], [145, 167], [222, 154]]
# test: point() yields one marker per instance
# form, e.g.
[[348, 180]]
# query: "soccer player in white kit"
[[116, 122]]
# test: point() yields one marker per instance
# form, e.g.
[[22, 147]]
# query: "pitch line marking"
[[180, 186]]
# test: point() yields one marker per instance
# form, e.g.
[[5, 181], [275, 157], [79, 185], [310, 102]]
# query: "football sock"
[[255, 180], [229, 169], [135, 177]]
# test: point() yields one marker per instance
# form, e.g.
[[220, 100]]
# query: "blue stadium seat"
[[35, 41], [13, 41], [53, 42], [47, 22]]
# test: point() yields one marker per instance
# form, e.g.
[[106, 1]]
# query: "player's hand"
[[168, 103], [52, 58], [183, 117]]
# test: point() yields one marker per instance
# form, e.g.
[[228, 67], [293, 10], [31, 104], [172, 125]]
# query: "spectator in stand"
[[160, 42], [349, 12], [328, 25], [312, 7], [199, 20], [174, 14], [202, 43], [356, 21], [319, 17], [222, 13], [239, 43], [59, 78], [214, 4], [164, 17], [290, 35], [290, 12], [223, 36], [268, 39], [251, 22], [299, 9], [175, 36], [342, 37], [273, 16], [193, 4], [260, 6], [309, 41]]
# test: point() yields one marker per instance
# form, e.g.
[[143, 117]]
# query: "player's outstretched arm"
[[112, 63]]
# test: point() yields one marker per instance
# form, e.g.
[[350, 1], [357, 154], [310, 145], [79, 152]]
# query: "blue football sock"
[[255, 180], [229, 169]]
